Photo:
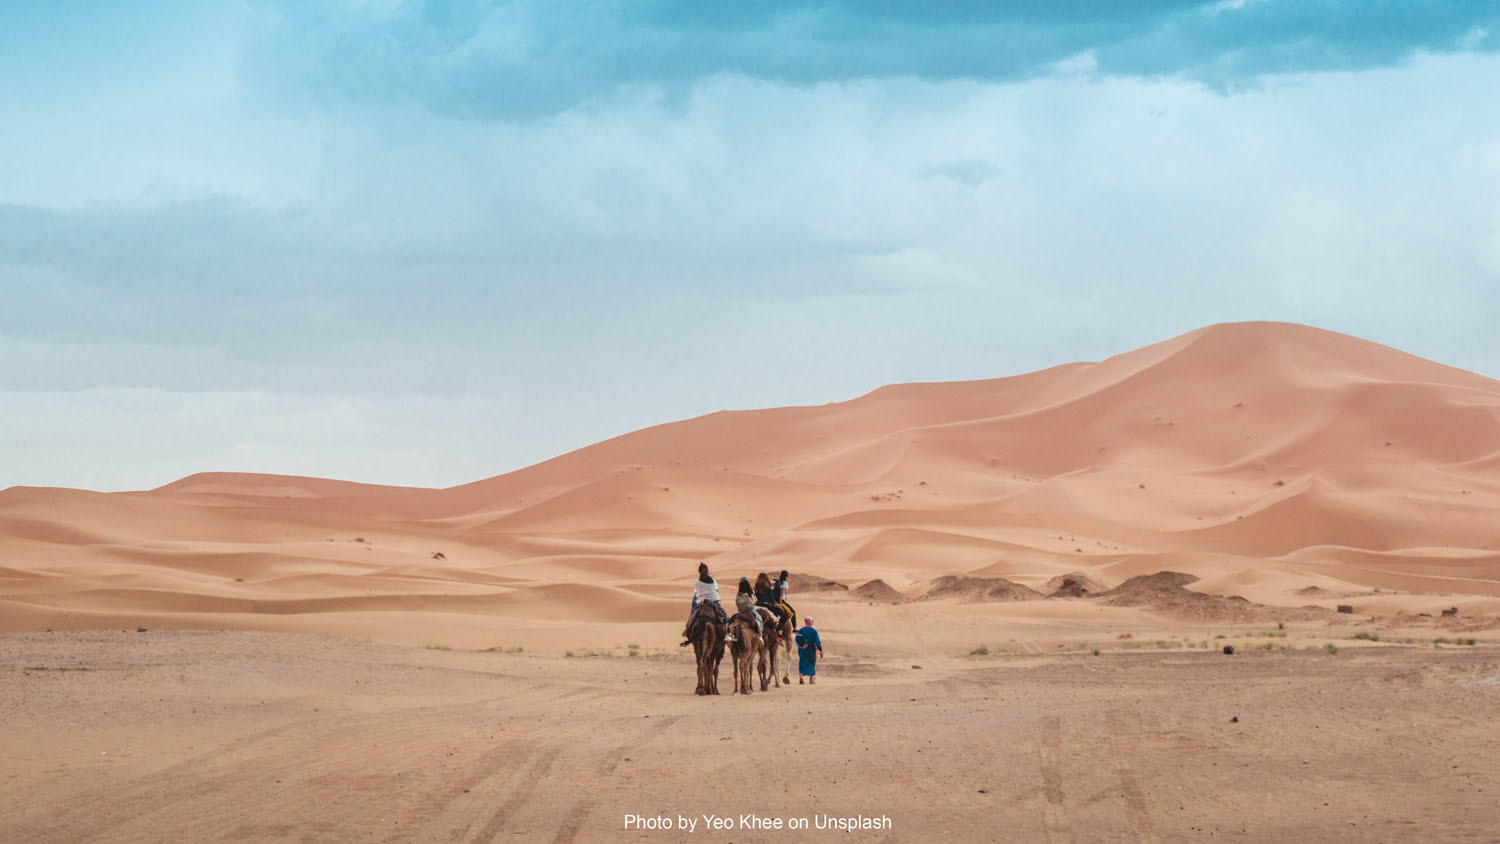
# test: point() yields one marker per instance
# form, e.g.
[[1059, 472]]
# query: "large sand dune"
[[1262, 458]]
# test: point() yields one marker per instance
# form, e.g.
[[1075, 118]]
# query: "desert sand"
[[327, 660]]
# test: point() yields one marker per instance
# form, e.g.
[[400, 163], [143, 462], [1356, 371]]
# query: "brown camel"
[[774, 636], [780, 635], [706, 632], [747, 643]]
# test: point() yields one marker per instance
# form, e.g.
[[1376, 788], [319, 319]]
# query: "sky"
[[426, 243]]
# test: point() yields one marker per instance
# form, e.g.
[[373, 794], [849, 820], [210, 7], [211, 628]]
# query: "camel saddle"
[[705, 613]]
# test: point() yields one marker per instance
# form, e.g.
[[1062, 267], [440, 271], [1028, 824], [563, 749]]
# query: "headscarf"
[[745, 586], [703, 575]]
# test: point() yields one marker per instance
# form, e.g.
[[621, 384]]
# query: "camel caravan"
[[761, 631]]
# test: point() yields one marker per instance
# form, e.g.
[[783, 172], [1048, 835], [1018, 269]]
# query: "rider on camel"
[[706, 590], [782, 587], [744, 601], [765, 596]]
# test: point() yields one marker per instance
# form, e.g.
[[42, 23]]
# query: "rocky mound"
[[1166, 592], [812, 583], [980, 589], [1074, 585], [879, 591]]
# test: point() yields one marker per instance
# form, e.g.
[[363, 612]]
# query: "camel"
[[775, 634], [747, 643], [766, 662], [788, 636], [706, 632]]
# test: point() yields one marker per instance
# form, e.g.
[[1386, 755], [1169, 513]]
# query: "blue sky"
[[431, 242]]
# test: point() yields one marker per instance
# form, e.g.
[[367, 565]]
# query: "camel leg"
[[717, 657], [741, 659], [747, 670]]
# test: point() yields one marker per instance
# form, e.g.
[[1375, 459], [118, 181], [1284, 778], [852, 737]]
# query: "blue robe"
[[807, 651]]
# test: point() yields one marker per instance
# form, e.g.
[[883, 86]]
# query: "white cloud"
[[394, 296]]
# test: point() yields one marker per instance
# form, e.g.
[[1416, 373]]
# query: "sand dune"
[[1261, 458]]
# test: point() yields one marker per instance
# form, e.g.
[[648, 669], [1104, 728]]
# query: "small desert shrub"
[[438, 648], [1441, 640], [1096, 651], [1367, 636], [980, 651], [1331, 647]]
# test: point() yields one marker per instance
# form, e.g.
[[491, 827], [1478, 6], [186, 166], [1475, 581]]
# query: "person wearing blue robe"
[[809, 648]]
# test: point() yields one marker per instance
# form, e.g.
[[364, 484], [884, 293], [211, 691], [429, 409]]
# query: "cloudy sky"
[[429, 242]]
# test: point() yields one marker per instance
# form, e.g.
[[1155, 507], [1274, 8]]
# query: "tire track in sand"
[[208, 797], [526, 786], [1054, 812], [1124, 739], [573, 823]]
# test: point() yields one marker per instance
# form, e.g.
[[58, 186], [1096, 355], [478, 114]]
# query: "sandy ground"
[[241, 736]]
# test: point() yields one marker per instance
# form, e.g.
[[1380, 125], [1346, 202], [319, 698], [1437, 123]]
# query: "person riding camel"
[[782, 586], [705, 591], [744, 602], [765, 596]]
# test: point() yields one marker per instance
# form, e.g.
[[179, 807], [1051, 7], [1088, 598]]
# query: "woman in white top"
[[705, 590]]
